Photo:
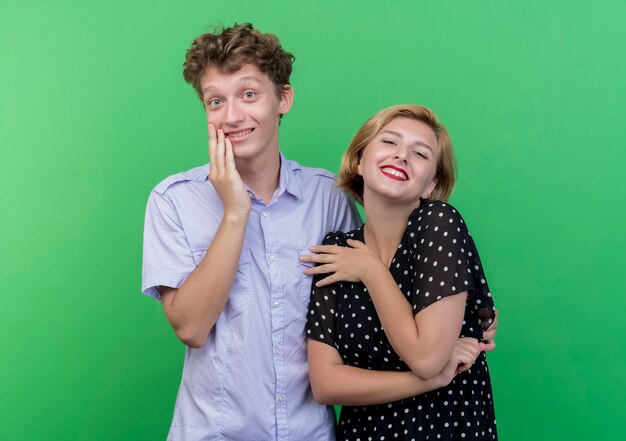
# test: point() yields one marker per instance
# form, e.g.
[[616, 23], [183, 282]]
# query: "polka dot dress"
[[436, 258]]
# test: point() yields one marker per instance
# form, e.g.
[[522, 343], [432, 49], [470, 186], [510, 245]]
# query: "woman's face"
[[400, 163]]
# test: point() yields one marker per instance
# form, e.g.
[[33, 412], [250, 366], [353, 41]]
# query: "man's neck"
[[261, 175]]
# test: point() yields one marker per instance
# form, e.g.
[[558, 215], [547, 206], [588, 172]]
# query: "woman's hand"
[[347, 264], [463, 357], [224, 176]]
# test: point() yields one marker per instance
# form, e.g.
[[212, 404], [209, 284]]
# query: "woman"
[[396, 294]]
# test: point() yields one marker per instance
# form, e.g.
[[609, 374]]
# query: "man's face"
[[244, 104]]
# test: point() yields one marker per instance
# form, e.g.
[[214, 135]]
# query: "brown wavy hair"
[[351, 182], [228, 49]]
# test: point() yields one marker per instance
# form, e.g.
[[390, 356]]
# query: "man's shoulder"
[[196, 174], [304, 172]]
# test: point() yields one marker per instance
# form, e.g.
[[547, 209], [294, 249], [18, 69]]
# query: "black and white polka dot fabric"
[[436, 258]]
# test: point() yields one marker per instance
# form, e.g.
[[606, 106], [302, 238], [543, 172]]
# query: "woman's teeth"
[[394, 172]]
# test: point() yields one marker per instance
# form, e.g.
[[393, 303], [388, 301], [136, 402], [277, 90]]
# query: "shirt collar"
[[287, 181]]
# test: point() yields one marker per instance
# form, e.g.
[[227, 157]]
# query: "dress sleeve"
[[447, 262], [167, 258], [320, 324]]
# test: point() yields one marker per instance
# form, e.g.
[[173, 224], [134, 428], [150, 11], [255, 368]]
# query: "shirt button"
[[280, 398], [264, 213], [276, 303], [277, 351], [272, 258]]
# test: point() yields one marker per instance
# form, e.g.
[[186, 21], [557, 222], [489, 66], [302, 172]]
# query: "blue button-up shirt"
[[250, 380]]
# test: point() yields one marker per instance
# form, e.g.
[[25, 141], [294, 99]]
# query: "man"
[[222, 252]]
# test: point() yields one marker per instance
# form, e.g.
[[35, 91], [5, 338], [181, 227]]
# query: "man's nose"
[[233, 115]]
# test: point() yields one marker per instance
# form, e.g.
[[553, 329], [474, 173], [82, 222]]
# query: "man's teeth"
[[394, 172], [239, 134]]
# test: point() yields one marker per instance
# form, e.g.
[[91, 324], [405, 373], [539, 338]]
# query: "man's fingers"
[[219, 151], [212, 141], [489, 334], [494, 323], [229, 155]]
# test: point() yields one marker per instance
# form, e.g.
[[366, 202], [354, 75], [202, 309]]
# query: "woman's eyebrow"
[[418, 142]]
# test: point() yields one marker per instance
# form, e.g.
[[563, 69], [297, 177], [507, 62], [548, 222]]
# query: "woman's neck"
[[385, 226]]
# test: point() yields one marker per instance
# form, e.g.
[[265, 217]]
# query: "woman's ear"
[[429, 189]]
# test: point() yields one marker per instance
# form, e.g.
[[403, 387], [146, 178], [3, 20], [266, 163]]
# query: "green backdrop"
[[94, 112]]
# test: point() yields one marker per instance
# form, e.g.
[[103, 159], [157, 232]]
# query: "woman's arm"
[[333, 382], [423, 323], [424, 341]]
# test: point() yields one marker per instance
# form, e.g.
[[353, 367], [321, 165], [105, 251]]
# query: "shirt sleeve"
[[347, 216], [167, 258], [320, 323], [447, 262]]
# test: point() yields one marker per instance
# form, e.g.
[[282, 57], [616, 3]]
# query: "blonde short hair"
[[351, 182]]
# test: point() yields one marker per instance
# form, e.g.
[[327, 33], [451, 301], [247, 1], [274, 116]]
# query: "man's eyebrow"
[[242, 80], [249, 78], [422, 143]]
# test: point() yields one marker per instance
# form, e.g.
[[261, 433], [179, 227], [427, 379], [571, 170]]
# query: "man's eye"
[[388, 141], [249, 94], [214, 102]]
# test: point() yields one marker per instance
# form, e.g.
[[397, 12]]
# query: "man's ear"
[[286, 99]]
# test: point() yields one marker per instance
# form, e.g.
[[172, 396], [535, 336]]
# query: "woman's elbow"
[[426, 369], [321, 393]]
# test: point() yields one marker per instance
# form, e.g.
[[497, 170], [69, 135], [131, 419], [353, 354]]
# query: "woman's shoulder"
[[436, 209], [340, 238], [437, 213], [437, 218]]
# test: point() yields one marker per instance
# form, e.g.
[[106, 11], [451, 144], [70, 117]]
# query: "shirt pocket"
[[304, 287], [241, 292]]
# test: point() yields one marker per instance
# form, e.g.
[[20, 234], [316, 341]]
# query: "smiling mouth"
[[238, 135], [394, 173]]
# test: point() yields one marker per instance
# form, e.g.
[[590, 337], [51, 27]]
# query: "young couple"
[[228, 252]]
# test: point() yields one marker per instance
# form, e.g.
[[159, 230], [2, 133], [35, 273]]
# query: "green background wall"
[[94, 112]]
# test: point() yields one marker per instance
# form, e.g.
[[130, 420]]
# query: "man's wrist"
[[236, 217]]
